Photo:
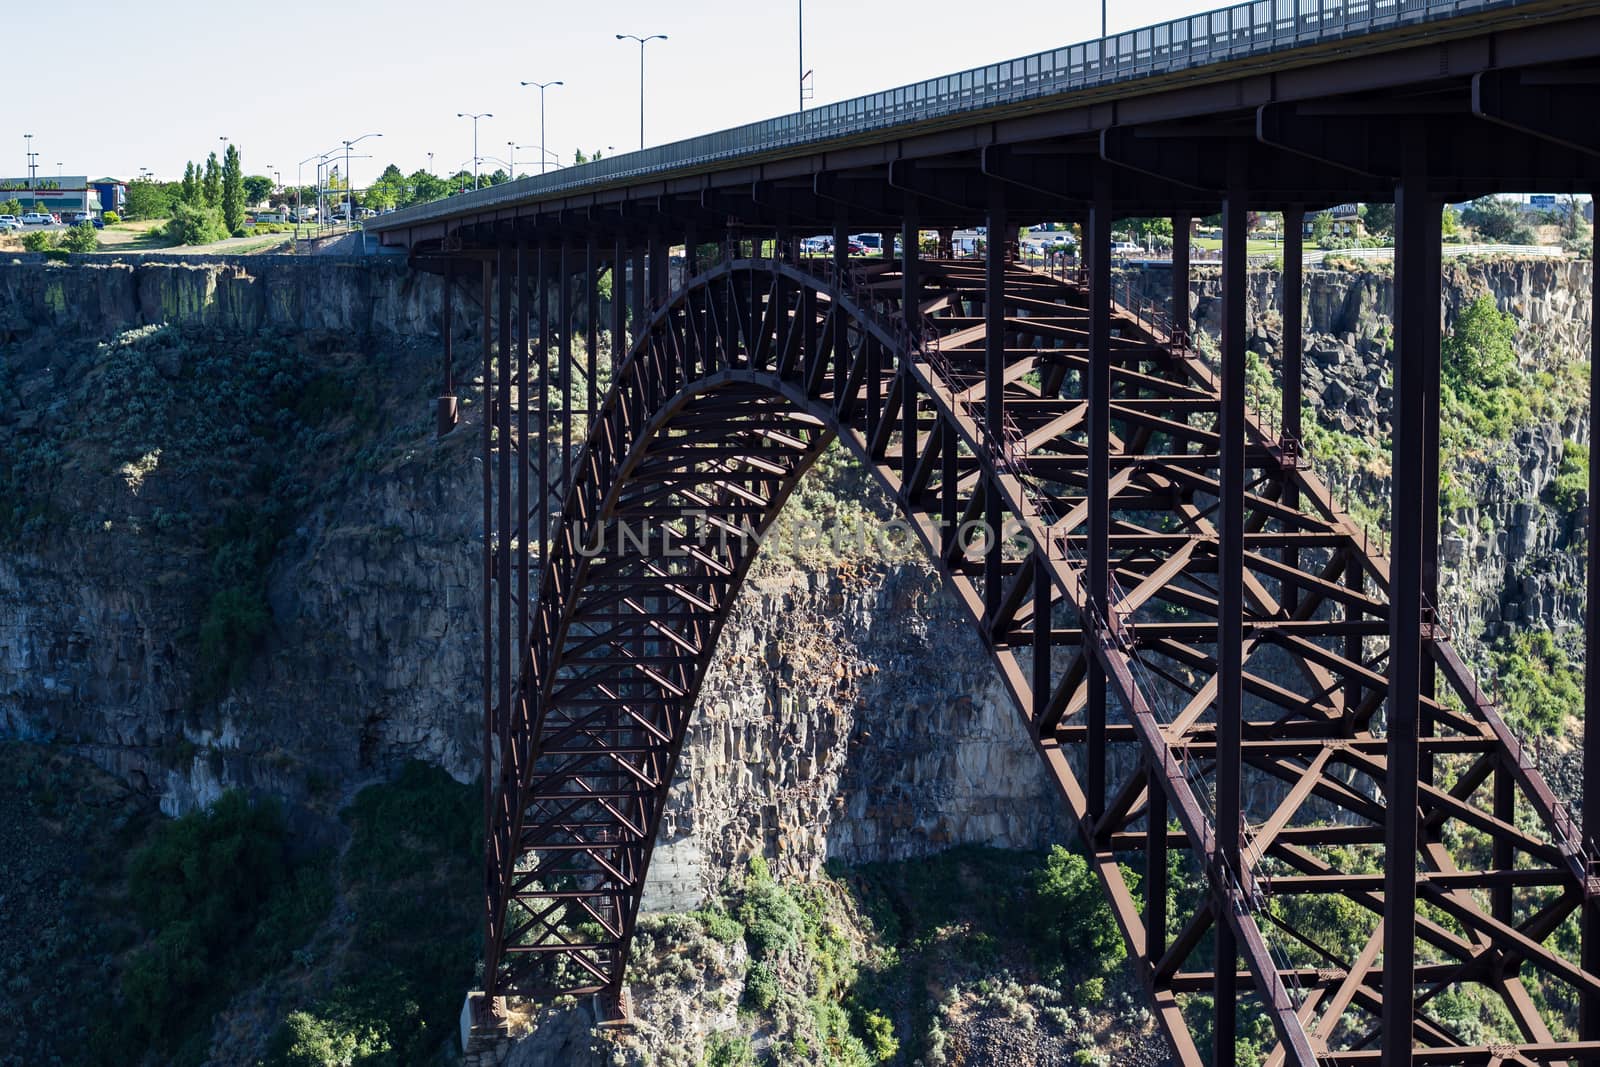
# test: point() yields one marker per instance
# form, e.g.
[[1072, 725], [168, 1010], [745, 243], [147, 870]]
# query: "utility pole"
[[642, 42]]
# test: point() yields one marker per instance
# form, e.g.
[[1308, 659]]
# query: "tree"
[[147, 200], [11, 207], [424, 187], [1497, 220], [1450, 223], [1322, 227], [257, 187], [191, 184], [387, 191], [211, 183], [195, 225], [1479, 352], [1379, 219], [232, 190]]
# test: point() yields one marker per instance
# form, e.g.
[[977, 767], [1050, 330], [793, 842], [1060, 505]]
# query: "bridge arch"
[[733, 387]]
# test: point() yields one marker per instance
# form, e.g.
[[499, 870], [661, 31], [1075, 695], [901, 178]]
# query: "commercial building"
[[63, 196]]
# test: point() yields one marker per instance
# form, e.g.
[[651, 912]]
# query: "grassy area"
[[1252, 247], [140, 235]]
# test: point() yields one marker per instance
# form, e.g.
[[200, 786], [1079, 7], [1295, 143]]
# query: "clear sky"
[[106, 88]]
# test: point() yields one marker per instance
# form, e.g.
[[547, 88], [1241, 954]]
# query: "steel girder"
[[730, 390]]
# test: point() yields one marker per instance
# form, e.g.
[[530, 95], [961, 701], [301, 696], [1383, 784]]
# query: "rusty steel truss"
[[1234, 686]]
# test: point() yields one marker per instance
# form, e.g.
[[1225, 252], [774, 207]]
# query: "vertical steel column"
[[524, 358], [1431, 330], [660, 284], [994, 390], [564, 303], [1043, 620], [1097, 393], [1155, 869], [1230, 592], [691, 241], [491, 867], [619, 301], [1293, 338], [1181, 224], [886, 239], [446, 412], [591, 340], [841, 247], [639, 312], [1417, 221], [542, 280], [506, 266], [1589, 1005]]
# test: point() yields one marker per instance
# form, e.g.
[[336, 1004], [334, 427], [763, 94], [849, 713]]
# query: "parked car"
[[816, 246], [36, 218], [9, 223], [1126, 248]]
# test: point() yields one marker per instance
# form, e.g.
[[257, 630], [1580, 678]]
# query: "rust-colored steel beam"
[[1202, 579]]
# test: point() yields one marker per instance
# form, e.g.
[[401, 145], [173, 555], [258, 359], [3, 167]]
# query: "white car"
[[1126, 248], [34, 218], [9, 222]]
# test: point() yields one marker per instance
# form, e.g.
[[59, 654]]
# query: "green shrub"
[[110, 218], [193, 224], [1069, 915], [729, 1050], [1571, 486], [39, 241], [880, 1039], [218, 894], [760, 987], [720, 925], [81, 238], [1092, 992]]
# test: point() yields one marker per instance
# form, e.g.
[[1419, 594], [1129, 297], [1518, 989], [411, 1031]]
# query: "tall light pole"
[[299, 183], [642, 42], [349, 186], [474, 118], [802, 43], [542, 87], [430, 162], [28, 139]]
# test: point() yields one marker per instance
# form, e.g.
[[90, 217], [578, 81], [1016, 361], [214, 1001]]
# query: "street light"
[[350, 186], [299, 183], [28, 138], [542, 87], [430, 162], [474, 118], [642, 42]]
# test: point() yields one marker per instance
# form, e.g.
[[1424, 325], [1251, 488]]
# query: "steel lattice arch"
[[1182, 613]]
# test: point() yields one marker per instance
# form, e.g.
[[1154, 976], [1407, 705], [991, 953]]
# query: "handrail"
[[1224, 34]]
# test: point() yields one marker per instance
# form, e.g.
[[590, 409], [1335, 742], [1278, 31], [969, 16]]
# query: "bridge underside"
[[1182, 613]]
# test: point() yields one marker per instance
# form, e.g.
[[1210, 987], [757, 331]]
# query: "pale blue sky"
[[118, 88]]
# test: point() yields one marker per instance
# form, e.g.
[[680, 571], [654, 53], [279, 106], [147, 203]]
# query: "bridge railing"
[[1248, 29]]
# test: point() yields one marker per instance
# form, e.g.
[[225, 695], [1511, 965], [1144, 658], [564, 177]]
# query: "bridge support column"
[[447, 410], [1417, 222], [619, 299], [1292, 301], [640, 314], [542, 504], [1230, 598], [591, 344], [1589, 1011], [1429, 336], [524, 359], [564, 272], [994, 390], [1097, 393], [493, 765], [1180, 277], [660, 284]]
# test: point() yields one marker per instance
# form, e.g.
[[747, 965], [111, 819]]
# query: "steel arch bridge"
[[732, 391], [1212, 659]]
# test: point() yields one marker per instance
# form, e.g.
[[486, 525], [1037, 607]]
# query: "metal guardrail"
[[1248, 29]]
